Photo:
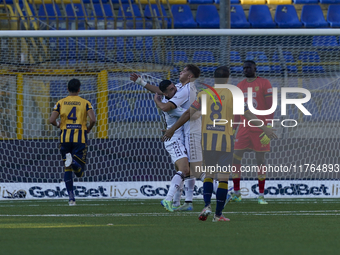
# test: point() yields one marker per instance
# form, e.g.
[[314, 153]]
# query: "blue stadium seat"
[[182, 16], [150, 56], [286, 16], [200, 1], [207, 16], [310, 57], [126, 10], [329, 40], [329, 1], [259, 57], [306, 1], [76, 11], [312, 16], [145, 109], [125, 43], [231, 1], [154, 7], [52, 13], [260, 17], [235, 58], [99, 14], [177, 56], [125, 56], [203, 56], [119, 109], [289, 60], [238, 17], [333, 15]]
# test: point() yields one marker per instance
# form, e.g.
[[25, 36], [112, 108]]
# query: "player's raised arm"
[[93, 119], [138, 79]]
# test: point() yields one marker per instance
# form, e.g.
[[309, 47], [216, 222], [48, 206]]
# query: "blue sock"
[[207, 190], [69, 184], [221, 195]]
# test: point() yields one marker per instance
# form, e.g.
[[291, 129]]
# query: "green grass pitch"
[[284, 226]]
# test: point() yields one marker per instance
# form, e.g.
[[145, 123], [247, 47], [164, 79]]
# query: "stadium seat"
[[126, 10], [259, 57], [150, 56], [145, 109], [177, 56], [290, 63], [97, 13], [154, 7], [329, 1], [310, 57], [329, 40], [119, 110], [76, 16], [207, 16], [333, 15], [51, 13], [312, 16], [260, 17], [125, 57], [231, 1], [238, 17], [183, 17], [253, 1], [306, 1], [200, 1], [203, 57], [277, 2], [286, 16], [236, 64]]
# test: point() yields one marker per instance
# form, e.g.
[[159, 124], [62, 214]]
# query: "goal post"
[[126, 158]]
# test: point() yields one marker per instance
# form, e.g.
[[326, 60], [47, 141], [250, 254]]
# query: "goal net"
[[125, 145]]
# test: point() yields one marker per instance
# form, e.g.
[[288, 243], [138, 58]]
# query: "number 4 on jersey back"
[[73, 114]]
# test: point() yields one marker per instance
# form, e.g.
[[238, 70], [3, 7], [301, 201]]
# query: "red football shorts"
[[246, 140]]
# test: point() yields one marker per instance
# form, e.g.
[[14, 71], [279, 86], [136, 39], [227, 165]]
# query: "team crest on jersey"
[[257, 88]]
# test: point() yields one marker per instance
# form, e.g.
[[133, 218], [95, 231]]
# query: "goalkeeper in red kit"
[[252, 138]]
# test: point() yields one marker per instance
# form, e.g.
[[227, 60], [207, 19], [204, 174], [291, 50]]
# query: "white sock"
[[189, 189], [175, 184], [237, 193], [261, 194], [202, 177], [177, 196]]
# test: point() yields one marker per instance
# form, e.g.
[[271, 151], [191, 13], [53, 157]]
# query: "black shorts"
[[78, 151]]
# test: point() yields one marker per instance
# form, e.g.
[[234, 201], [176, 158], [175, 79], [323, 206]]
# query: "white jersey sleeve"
[[181, 96]]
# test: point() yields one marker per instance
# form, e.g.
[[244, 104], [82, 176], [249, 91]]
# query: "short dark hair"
[[163, 85], [250, 61], [73, 85], [194, 70], [222, 72]]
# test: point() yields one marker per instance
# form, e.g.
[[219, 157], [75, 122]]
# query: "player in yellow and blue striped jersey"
[[73, 111]]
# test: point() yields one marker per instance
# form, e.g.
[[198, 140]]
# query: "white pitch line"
[[273, 213]]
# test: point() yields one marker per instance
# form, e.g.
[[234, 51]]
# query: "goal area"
[[126, 157]]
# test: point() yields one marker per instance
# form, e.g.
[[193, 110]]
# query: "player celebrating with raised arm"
[[73, 111], [252, 138], [192, 132], [217, 141], [176, 146]]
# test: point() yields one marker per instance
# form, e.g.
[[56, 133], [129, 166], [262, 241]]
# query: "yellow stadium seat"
[[253, 1], [279, 1], [162, 1]]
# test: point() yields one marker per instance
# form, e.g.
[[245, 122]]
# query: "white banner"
[[145, 190]]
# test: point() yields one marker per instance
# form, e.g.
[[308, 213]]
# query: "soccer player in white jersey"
[[192, 130], [176, 146]]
